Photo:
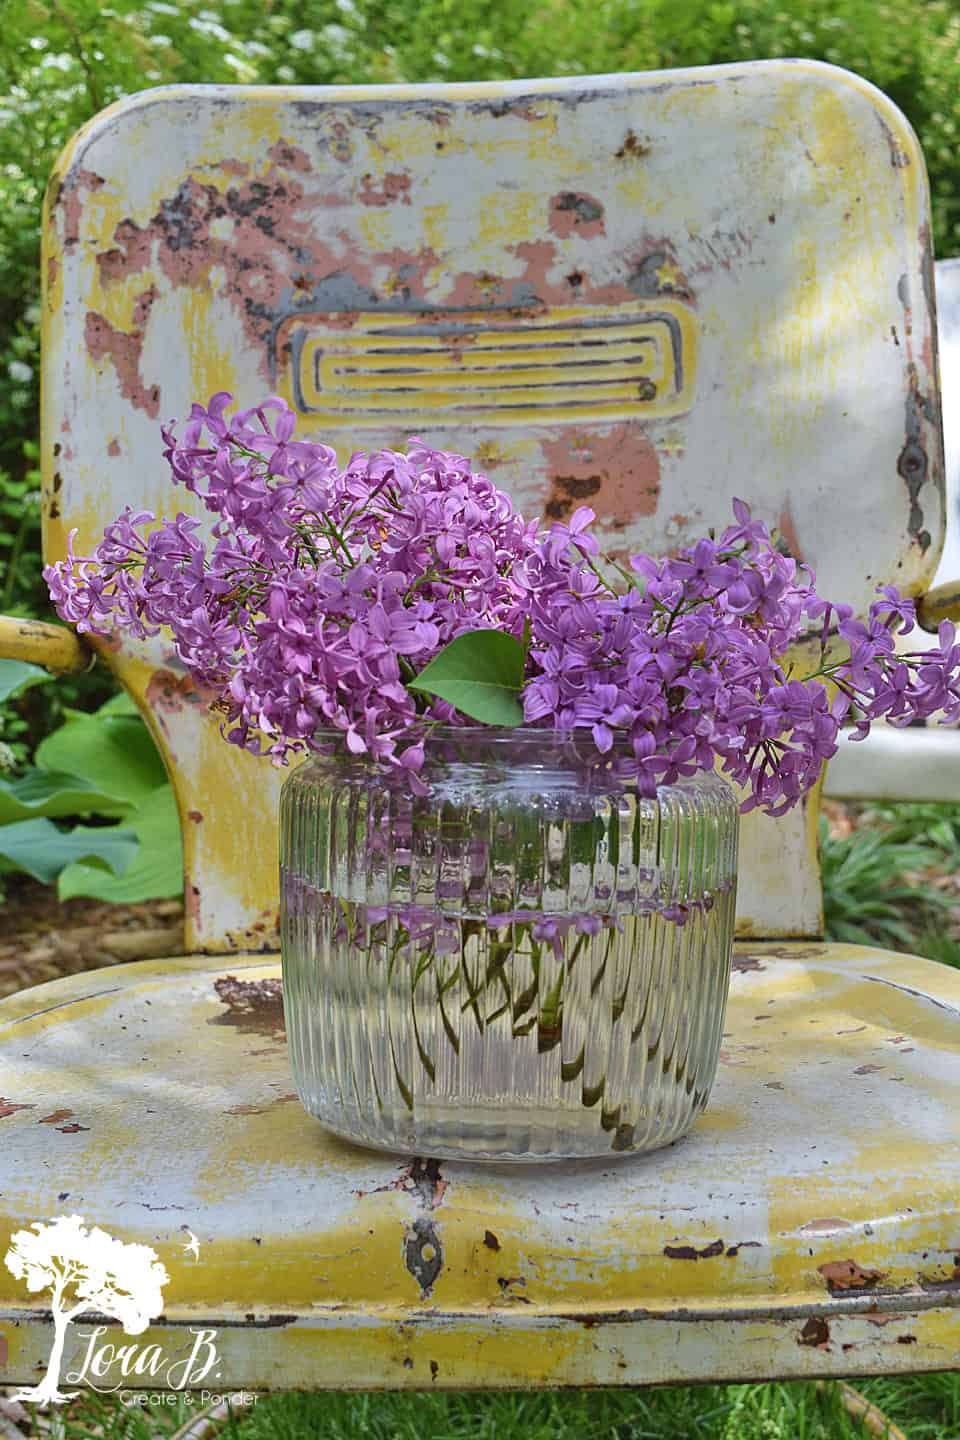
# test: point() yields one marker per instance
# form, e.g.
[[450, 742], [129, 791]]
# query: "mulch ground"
[[41, 939]]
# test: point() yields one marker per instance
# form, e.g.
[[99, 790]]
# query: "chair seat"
[[808, 1225]]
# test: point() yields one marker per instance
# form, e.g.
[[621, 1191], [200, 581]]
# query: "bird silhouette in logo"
[[192, 1246]]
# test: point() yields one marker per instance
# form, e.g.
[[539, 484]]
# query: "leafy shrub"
[[102, 768], [879, 881]]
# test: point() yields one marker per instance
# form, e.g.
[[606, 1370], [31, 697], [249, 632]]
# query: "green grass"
[[926, 1407], [797, 1411]]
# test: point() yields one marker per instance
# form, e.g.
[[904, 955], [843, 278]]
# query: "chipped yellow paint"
[[375, 228], [435, 223], [213, 358], [710, 1258], [517, 216]]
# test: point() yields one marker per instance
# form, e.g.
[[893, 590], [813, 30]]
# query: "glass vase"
[[528, 961]]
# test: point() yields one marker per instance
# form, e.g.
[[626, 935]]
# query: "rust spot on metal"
[[434, 1369], [618, 473], [113, 448], [743, 963], [55, 1117], [258, 231], [816, 1333], [422, 1250], [912, 462], [788, 531], [123, 349], [130, 254], [490, 1240], [507, 1283], [195, 815], [906, 1339], [689, 1252], [71, 1129], [191, 902], [796, 952], [848, 1275], [291, 157], [899, 158], [424, 1178], [423, 1253], [867, 1069], [575, 214], [69, 196], [9, 1107], [167, 693], [394, 186], [261, 1109], [252, 1005], [632, 148], [829, 1225]]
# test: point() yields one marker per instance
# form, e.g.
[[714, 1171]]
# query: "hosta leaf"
[[39, 848], [156, 871], [119, 704], [17, 675], [480, 674], [115, 753], [50, 793]]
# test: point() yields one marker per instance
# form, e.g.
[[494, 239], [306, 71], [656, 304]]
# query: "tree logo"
[[86, 1269]]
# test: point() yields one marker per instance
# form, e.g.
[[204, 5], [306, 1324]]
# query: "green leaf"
[[481, 674], [115, 753], [155, 873], [39, 848], [119, 704], [17, 675], [51, 793]]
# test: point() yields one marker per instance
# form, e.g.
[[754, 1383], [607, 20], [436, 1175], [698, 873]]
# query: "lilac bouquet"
[[404, 592]]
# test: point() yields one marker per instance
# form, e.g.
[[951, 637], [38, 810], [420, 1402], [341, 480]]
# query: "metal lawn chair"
[[649, 293]]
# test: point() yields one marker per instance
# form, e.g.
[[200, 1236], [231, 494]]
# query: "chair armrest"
[[940, 603], [53, 646]]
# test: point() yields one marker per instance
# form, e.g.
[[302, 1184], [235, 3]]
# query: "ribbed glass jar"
[[528, 962]]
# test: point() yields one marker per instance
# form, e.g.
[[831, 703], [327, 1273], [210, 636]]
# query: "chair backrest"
[[650, 292]]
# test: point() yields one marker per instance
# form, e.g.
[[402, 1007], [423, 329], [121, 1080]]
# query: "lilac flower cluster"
[[323, 592], [686, 658]]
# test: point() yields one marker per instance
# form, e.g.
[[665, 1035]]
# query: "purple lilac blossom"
[[323, 590]]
